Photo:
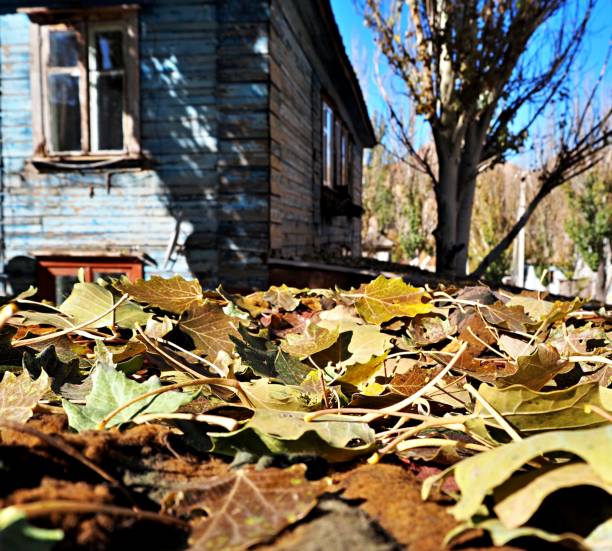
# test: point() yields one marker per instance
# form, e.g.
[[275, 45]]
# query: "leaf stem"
[[53, 506], [423, 390], [494, 413], [235, 385], [51, 336]]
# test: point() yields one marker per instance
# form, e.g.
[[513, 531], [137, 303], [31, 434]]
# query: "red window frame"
[[49, 268]]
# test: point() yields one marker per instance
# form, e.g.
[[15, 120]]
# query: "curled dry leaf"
[[247, 506]]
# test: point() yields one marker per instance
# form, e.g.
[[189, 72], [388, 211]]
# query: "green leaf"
[[289, 369], [17, 534], [19, 394], [111, 389], [60, 373], [479, 475], [282, 397], [517, 508], [531, 411], [333, 438], [210, 328], [175, 295], [267, 360], [384, 299], [314, 339], [86, 301]]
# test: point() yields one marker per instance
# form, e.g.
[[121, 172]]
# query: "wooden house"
[[216, 138]]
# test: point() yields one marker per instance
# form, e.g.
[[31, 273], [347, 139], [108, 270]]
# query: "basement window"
[[57, 275]]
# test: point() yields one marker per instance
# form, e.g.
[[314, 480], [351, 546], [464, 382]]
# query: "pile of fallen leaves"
[[205, 420]]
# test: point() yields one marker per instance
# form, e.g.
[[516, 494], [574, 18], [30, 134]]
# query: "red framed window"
[[57, 275]]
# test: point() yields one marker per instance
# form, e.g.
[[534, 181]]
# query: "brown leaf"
[[174, 295], [210, 328], [248, 506], [507, 317], [447, 391], [19, 395], [536, 369]]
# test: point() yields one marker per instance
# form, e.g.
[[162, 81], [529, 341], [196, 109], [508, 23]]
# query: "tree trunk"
[[446, 193], [600, 280]]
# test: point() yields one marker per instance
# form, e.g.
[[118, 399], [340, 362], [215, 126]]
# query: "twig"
[[494, 413], [165, 355], [413, 431], [225, 422], [210, 364], [439, 442], [599, 411], [594, 359], [344, 411], [51, 336], [59, 444], [235, 385], [53, 506], [423, 390], [7, 312]]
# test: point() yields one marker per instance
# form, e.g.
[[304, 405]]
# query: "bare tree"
[[481, 74]]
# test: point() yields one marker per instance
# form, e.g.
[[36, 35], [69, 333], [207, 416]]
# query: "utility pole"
[[518, 252]]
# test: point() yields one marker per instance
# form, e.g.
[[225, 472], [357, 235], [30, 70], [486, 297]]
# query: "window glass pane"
[[109, 52], [63, 286], [344, 159], [328, 150], [64, 112], [63, 49], [110, 112]]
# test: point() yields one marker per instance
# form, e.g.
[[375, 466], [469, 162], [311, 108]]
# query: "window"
[[337, 150], [57, 275], [85, 82], [328, 146]]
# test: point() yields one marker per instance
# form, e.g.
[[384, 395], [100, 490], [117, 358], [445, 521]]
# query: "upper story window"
[[85, 83], [337, 149]]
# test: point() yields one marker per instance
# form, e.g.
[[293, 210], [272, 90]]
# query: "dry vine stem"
[[54, 506], [389, 410], [226, 422], [235, 385], [51, 336]]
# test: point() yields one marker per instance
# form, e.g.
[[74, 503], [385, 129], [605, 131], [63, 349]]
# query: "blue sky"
[[359, 44]]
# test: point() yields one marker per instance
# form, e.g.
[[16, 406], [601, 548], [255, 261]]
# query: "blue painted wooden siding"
[[204, 98]]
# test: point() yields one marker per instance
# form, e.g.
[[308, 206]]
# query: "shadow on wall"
[[204, 122]]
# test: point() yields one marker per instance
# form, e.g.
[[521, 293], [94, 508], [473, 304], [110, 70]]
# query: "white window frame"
[[85, 23]]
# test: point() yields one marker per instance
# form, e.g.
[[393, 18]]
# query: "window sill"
[[338, 202], [85, 163]]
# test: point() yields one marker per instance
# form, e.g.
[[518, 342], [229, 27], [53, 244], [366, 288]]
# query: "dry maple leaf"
[[210, 328], [248, 506], [174, 295], [20, 394]]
